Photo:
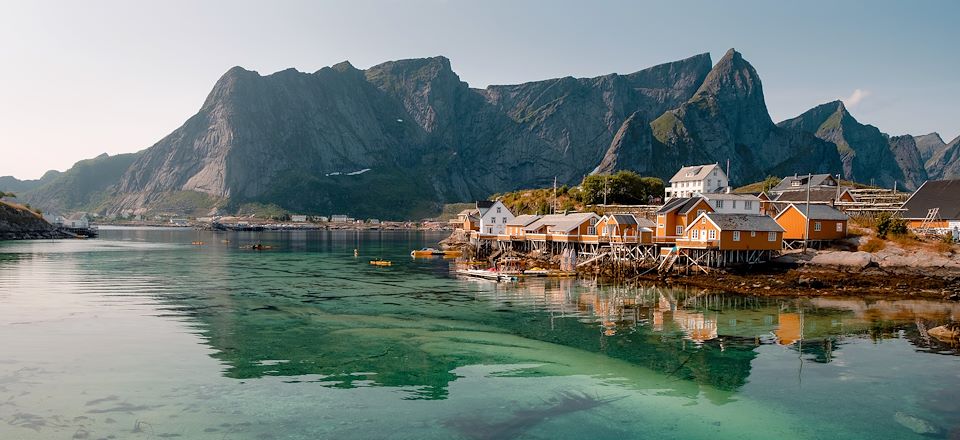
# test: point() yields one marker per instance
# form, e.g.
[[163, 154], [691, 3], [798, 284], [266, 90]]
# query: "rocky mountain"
[[727, 118], [928, 145], [399, 139], [17, 186], [945, 162], [867, 154]]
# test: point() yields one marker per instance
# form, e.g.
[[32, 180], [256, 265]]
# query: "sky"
[[78, 79]]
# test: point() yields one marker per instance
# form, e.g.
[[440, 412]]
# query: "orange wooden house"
[[674, 217], [733, 232], [825, 222], [625, 228]]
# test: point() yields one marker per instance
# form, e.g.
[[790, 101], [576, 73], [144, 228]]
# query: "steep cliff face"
[[16, 222], [400, 138], [727, 118], [907, 157], [868, 155], [945, 163], [928, 145]]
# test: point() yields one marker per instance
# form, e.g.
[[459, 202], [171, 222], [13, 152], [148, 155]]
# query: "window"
[[701, 211], [498, 210], [753, 233], [713, 234], [504, 219], [489, 230], [703, 221], [679, 230], [695, 234], [493, 219], [816, 226], [720, 204], [591, 230], [709, 182], [748, 204], [660, 225], [734, 204], [795, 183], [839, 226], [771, 236], [736, 235]]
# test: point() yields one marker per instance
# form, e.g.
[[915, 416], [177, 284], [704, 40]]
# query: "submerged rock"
[[945, 332], [916, 424]]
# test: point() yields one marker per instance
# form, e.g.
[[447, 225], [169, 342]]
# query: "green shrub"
[[887, 224]]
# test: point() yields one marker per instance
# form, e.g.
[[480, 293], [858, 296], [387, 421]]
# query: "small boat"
[[381, 263], [197, 243], [258, 247], [486, 274], [425, 252]]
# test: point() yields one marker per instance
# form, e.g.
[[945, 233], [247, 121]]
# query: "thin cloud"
[[856, 97]]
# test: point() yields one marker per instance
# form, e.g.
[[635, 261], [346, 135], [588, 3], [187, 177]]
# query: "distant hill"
[[401, 139]]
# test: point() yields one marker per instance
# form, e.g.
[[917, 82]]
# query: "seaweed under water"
[[477, 428]]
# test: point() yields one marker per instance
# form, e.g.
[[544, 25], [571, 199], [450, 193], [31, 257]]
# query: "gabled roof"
[[817, 212], [816, 195], [623, 219], [815, 180], [943, 194], [483, 206], [693, 173], [560, 222], [468, 211], [741, 222], [523, 220], [683, 204], [645, 223]]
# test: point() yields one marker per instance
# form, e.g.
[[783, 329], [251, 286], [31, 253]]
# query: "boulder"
[[851, 260]]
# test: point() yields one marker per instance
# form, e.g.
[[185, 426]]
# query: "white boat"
[[486, 274]]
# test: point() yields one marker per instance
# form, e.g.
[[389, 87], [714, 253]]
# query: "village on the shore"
[[702, 224]]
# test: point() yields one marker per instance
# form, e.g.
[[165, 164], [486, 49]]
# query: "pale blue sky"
[[81, 78]]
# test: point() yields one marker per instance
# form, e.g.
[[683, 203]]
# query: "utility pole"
[[806, 229], [605, 176], [554, 194]]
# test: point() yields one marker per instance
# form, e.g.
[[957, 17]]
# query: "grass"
[[873, 245], [945, 248]]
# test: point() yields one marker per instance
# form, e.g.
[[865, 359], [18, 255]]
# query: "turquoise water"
[[139, 334]]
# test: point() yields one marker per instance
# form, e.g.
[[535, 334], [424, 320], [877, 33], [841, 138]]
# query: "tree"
[[769, 183], [6, 194], [623, 188]]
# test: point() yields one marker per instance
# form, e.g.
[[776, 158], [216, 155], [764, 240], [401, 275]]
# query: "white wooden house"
[[494, 216], [696, 180]]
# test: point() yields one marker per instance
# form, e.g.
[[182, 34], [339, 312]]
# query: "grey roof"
[[645, 223], [624, 219], [483, 206], [560, 222], [816, 195], [744, 222], [692, 173], [943, 194], [815, 180], [819, 212], [684, 204], [523, 220]]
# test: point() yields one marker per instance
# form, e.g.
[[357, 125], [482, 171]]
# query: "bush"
[[887, 224], [873, 245], [623, 188]]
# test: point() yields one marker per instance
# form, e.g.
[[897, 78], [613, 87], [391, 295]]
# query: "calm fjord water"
[[138, 334]]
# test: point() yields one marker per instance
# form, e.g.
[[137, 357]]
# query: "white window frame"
[[736, 235], [712, 234], [734, 204], [493, 220], [817, 226], [695, 234], [719, 204], [748, 204], [504, 220], [679, 230], [839, 226], [771, 236], [498, 210], [753, 233]]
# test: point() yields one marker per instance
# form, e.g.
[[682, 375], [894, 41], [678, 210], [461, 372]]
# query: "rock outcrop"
[[17, 223], [945, 163], [868, 155], [397, 140], [928, 145]]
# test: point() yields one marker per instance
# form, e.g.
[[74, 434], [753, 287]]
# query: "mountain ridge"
[[399, 139]]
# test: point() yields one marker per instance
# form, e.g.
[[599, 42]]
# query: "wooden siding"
[[724, 239], [793, 221]]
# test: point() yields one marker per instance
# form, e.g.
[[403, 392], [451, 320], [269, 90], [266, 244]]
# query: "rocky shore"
[[19, 223]]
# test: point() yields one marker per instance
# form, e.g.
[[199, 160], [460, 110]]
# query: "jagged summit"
[[424, 137]]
